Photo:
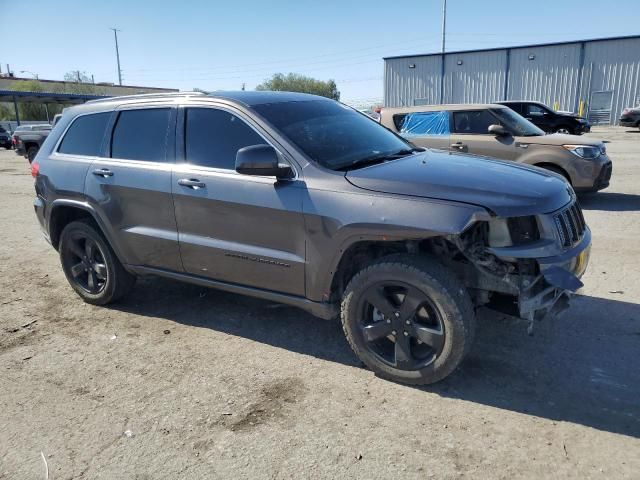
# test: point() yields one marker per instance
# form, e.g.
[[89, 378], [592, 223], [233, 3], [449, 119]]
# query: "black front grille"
[[570, 224]]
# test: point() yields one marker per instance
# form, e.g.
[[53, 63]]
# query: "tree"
[[84, 86], [32, 111], [38, 111], [294, 82]]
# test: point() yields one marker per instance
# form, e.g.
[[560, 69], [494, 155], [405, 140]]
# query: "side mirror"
[[498, 130], [261, 160]]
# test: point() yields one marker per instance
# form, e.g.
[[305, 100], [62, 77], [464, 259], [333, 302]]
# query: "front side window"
[[213, 137], [475, 122], [141, 135], [515, 123], [332, 134], [423, 124], [535, 110], [84, 136]]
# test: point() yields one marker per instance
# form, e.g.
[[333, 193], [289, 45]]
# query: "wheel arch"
[[63, 212], [554, 168]]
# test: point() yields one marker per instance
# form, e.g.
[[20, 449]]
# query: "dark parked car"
[[28, 138], [549, 120], [630, 117], [301, 200], [5, 139]]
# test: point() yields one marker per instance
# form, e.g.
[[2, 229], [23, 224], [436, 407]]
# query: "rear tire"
[[408, 318], [31, 153], [90, 265]]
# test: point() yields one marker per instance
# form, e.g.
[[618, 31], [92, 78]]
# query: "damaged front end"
[[538, 260]]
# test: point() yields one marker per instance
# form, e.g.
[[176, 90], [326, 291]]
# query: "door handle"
[[522, 145], [103, 172], [191, 183], [458, 145]]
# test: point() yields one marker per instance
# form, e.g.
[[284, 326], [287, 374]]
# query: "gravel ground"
[[182, 382]]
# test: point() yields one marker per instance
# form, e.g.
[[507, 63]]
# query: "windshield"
[[332, 134], [519, 126]]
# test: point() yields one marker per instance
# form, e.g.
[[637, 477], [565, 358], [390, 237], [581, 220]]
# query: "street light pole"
[[115, 35]]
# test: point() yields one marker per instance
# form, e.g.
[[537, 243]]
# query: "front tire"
[[564, 130], [90, 265], [408, 318]]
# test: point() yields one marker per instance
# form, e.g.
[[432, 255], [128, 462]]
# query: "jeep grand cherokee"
[[302, 200]]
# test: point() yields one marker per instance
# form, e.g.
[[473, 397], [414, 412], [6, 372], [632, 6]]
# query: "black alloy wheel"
[[401, 325], [90, 265], [408, 318], [84, 260]]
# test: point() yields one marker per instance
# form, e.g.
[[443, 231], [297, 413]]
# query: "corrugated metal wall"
[[403, 84], [551, 77], [479, 78], [613, 65], [561, 75]]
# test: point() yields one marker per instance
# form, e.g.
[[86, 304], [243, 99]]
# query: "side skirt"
[[325, 311]]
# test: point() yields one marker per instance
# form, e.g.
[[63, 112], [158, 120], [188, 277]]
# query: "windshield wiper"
[[380, 158]]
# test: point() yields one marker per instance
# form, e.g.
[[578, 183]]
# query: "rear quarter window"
[[84, 136]]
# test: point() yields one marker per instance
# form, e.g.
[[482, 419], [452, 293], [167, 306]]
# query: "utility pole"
[[444, 36], [78, 75], [444, 23], [115, 35]]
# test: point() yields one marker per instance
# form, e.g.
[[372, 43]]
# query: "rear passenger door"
[[425, 129], [235, 228], [470, 135], [131, 186]]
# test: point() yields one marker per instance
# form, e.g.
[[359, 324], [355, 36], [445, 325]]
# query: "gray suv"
[[302, 200]]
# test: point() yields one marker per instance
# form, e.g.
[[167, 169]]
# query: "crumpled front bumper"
[[549, 292]]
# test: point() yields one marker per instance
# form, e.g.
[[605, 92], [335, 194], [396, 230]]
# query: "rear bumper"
[[628, 122]]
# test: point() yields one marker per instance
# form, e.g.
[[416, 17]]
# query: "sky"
[[219, 45]]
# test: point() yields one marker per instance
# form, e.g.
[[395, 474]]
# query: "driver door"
[[234, 228], [470, 134]]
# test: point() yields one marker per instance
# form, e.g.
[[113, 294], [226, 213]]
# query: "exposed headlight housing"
[[588, 152], [506, 232]]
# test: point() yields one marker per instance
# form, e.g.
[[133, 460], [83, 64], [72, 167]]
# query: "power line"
[[287, 61]]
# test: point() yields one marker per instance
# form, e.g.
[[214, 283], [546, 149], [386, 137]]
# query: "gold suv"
[[499, 132]]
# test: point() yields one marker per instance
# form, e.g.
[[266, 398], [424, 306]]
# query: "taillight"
[[35, 168]]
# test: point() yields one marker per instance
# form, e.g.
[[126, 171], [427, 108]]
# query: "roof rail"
[[145, 96]]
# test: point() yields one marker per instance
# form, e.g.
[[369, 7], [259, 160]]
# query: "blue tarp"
[[425, 123]]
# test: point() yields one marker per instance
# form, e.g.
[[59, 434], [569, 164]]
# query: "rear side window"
[[84, 136], [423, 124], [141, 135], [213, 137], [473, 122]]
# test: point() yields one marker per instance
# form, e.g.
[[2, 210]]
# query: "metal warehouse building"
[[597, 77]]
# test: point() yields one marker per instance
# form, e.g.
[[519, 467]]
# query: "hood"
[[506, 188], [560, 139]]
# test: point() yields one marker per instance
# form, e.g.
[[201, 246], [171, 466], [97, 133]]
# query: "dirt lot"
[[183, 382]]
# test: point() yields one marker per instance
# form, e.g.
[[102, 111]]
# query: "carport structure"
[[44, 98]]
